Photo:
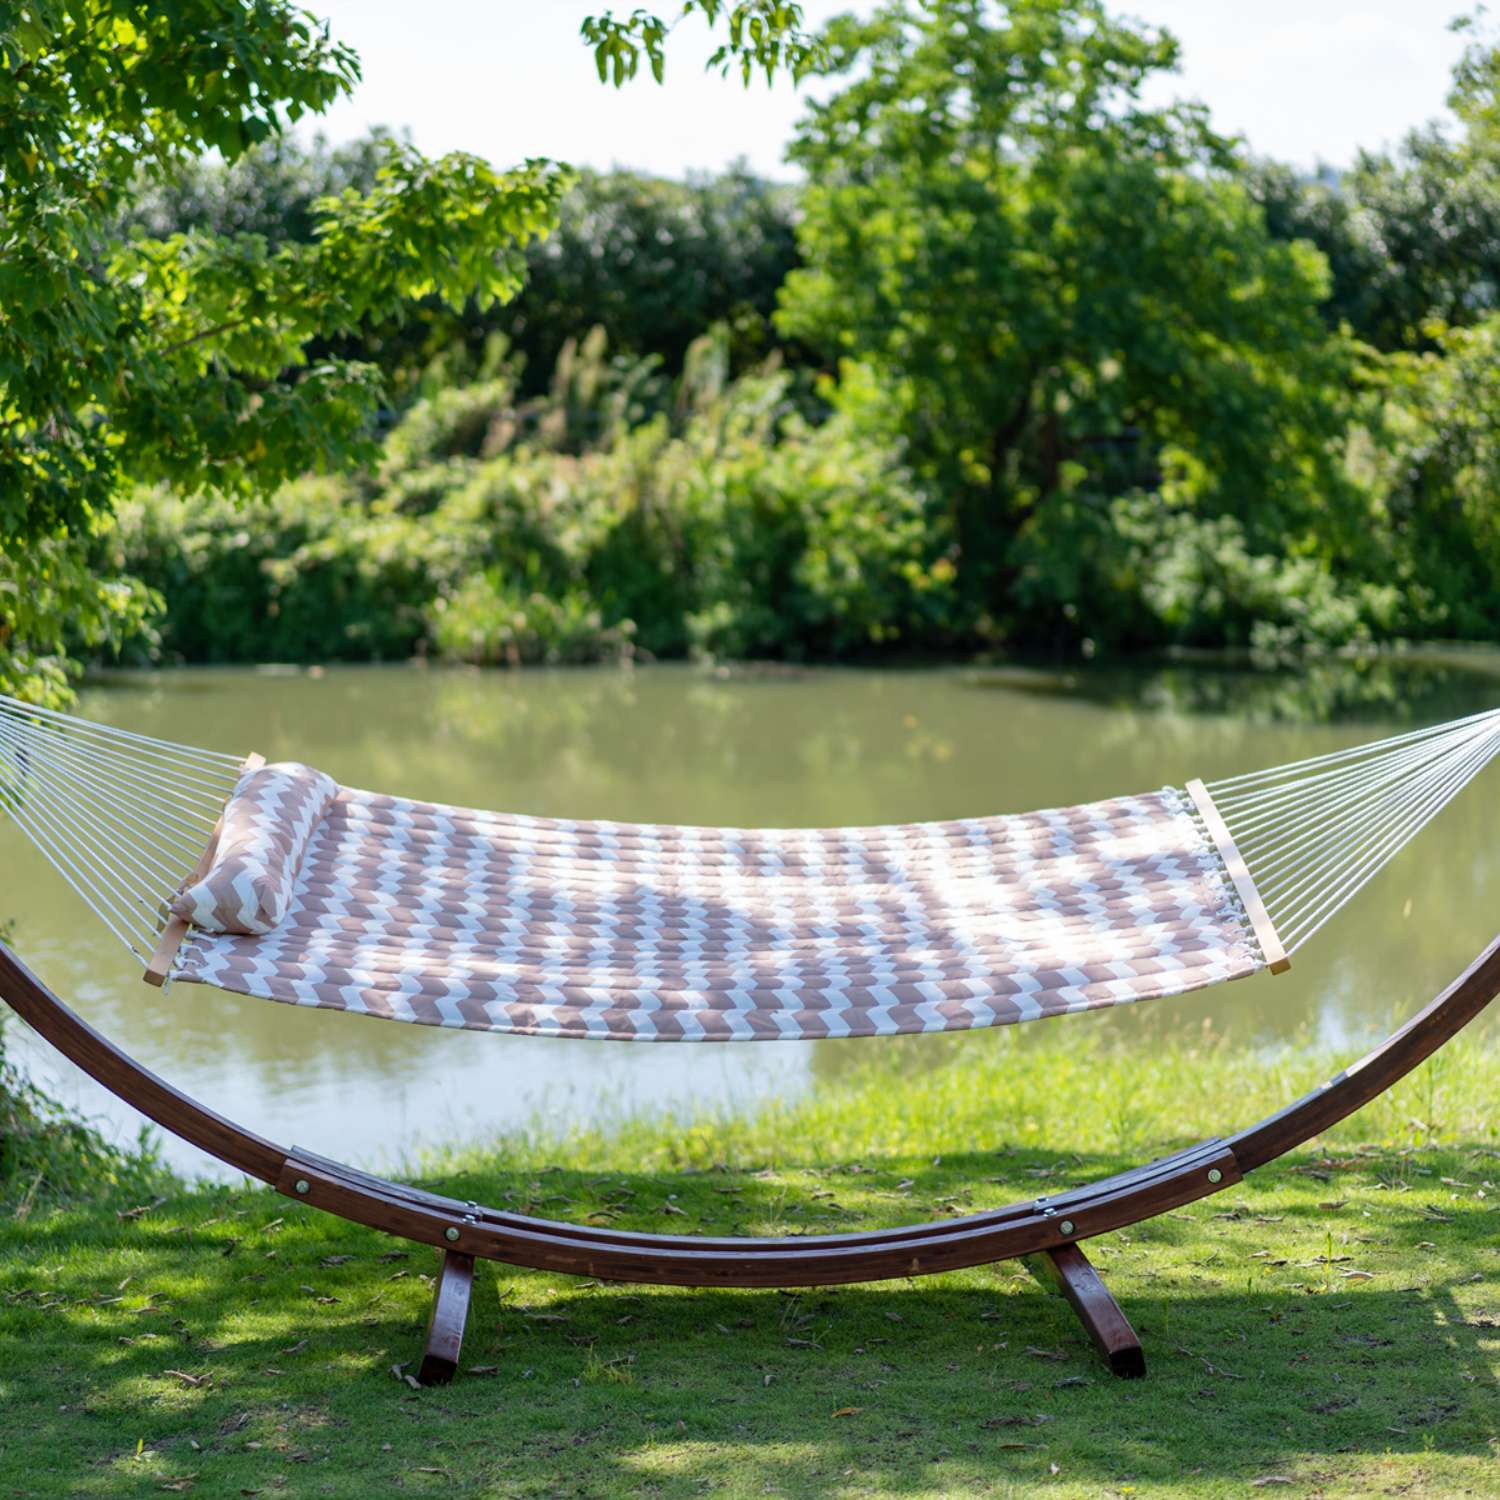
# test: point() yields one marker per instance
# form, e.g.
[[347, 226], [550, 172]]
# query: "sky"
[[1305, 81]]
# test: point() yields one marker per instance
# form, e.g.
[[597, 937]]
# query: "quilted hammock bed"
[[325, 896]]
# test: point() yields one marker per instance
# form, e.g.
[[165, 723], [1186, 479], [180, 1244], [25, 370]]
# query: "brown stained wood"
[[1406, 1048], [126, 1078], [1062, 1207], [802, 1260], [1068, 1272], [1239, 872], [1030, 1227], [159, 965], [450, 1312]]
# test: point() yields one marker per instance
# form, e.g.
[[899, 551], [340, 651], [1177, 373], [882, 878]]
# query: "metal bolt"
[[1215, 1175], [451, 1232], [302, 1185], [1066, 1226]]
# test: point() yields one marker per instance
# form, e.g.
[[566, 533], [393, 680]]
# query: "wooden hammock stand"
[[1044, 1232]]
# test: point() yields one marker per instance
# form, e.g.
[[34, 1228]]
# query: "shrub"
[[732, 526], [493, 623]]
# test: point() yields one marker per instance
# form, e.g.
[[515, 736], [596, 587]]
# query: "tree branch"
[[207, 333]]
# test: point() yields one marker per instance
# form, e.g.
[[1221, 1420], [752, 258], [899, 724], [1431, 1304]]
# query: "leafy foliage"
[[652, 262], [1432, 454], [655, 264], [757, 33], [1068, 294], [1088, 377], [184, 359], [54, 594], [501, 530], [1410, 237], [270, 190], [1475, 95], [46, 1156]]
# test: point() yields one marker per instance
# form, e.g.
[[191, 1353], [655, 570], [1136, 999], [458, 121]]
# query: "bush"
[[310, 575], [623, 515], [492, 623], [500, 531]]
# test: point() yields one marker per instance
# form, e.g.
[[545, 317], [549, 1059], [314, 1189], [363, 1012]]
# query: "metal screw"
[[1215, 1175], [1066, 1226], [302, 1185], [451, 1232]]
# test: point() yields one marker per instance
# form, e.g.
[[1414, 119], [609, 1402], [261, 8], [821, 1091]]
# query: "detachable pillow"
[[267, 822]]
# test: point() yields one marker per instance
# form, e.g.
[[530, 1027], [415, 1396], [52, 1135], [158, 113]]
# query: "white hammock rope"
[[123, 817], [1315, 832]]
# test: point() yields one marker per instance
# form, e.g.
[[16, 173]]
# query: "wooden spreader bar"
[[1239, 874], [1042, 1231]]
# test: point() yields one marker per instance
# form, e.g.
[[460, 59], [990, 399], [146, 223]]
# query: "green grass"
[[1330, 1327]]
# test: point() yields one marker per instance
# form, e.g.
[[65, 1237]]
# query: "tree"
[[652, 262], [271, 190], [184, 358], [1412, 237], [1067, 294], [1432, 452]]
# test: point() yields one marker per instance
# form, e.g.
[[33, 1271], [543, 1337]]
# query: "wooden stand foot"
[[450, 1311], [1067, 1272]]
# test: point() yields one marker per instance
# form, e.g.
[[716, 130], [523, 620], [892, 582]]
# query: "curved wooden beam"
[[1406, 1048], [1020, 1229], [126, 1078], [1036, 1224]]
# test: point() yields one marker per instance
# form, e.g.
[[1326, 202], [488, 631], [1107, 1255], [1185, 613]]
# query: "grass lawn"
[[1329, 1327]]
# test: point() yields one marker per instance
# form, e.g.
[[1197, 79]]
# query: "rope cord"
[[190, 825], [122, 817], [1313, 833]]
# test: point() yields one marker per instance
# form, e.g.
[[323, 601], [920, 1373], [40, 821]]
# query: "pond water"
[[745, 746]]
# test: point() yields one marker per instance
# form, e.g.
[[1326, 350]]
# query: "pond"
[[771, 746]]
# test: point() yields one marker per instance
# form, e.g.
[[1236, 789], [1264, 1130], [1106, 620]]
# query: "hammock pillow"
[[267, 823]]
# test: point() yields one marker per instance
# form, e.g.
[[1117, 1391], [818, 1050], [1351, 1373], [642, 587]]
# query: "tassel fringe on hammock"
[[273, 881]]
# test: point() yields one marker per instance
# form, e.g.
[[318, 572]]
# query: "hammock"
[[272, 881]]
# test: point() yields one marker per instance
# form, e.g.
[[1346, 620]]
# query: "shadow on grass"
[[265, 1334]]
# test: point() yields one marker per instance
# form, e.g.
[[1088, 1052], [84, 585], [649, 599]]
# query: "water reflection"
[[764, 746], [1411, 688]]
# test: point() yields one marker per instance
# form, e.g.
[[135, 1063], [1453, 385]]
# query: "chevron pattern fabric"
[[263, 836], [444, 916]]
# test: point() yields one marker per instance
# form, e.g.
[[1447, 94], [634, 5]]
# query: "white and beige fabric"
[[325, 896], [267, 822], [448, 917]]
